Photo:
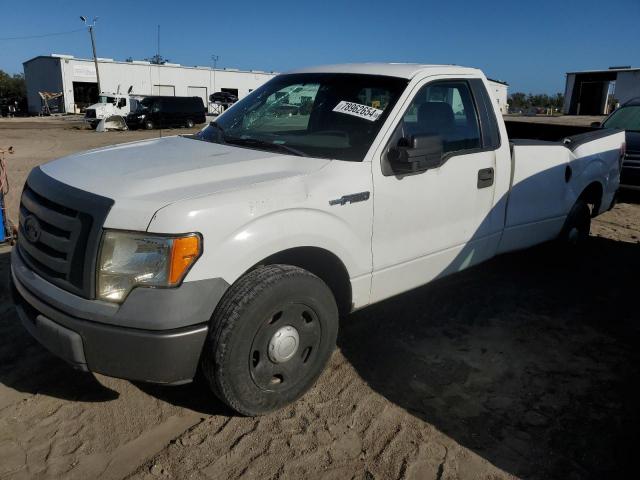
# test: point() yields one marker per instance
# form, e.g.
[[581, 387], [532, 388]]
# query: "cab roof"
[[401, 70]]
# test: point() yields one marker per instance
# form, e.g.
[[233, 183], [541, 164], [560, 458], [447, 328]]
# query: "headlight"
[[142, 115], [131, 259]]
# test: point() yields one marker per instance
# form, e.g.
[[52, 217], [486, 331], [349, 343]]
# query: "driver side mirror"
[[420, 152], [596, 124]]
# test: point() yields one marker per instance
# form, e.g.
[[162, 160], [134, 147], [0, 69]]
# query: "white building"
[[597, 92], [76, 79], [500, 92]]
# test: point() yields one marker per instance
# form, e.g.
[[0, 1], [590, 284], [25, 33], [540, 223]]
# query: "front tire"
[[270, 338], [190, 123], [148, 125]]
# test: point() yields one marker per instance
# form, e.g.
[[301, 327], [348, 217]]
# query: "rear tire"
[[270, 338], [577, 226]]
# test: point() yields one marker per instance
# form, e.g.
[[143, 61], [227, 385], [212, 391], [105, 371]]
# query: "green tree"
[[523, 101], [12, 86], [518, 100], [157, 60]]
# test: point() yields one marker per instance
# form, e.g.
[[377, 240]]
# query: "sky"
[[529, 44]]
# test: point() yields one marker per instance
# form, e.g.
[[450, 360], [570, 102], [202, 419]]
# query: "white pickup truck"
[[234, 251]]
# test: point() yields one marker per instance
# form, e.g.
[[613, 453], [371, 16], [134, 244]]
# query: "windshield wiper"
[[254, 142]]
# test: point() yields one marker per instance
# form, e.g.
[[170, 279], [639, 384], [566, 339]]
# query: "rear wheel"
[[577, 226], [270, 338]]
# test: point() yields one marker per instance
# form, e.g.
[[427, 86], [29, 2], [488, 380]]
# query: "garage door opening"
[[165, 90], [199, 92], [592, 92], [84, 94]]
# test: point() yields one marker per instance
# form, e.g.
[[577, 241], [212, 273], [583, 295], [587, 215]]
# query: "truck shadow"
[[531, 360], [29, 368], [629, 196]]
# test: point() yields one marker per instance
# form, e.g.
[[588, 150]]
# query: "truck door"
[[433, 216], [121, 106]]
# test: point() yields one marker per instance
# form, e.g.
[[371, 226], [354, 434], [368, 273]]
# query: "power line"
[[42, 35]]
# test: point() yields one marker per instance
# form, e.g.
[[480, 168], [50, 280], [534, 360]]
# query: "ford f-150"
[[234, 251]]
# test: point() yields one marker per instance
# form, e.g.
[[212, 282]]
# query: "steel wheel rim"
[[284, 374]]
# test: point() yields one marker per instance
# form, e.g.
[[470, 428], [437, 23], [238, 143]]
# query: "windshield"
[[320, 115], [144, 104], [106, 99], [625, 118]]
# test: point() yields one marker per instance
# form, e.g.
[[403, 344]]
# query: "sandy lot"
[[526, 366]]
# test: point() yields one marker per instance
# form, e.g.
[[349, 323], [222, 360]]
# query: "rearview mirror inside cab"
[[420, 152]]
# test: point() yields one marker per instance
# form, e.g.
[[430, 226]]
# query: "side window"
[[445, 111]]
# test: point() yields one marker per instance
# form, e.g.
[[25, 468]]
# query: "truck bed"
[[548, 177], [543, 131]]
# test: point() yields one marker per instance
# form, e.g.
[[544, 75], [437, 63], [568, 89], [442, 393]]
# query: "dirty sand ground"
[[526, 366]]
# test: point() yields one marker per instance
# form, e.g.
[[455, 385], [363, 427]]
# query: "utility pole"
[[93, 47], [214, 60]]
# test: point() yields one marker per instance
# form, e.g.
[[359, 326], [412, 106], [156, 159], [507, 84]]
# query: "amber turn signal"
[[184, 252]]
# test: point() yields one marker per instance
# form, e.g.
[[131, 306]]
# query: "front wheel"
[[148, 125], [270, 338], [190, 123]]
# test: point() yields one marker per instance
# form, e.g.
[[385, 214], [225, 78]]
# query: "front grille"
[[60, 229], [90, 113]]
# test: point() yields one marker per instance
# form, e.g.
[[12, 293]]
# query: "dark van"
[[165, 112]]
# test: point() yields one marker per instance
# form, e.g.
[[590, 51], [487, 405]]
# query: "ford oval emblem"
[[32, 229]]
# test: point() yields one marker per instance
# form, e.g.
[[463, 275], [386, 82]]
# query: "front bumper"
[[99, 337], [133, 121]]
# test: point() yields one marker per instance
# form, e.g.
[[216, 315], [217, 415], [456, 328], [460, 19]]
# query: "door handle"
[[485, 177]]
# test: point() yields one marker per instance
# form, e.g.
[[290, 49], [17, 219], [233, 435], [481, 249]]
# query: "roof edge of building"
[[57, 56]]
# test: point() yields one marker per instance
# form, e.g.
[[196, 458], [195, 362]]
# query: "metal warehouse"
[[598, 92], [76, 79]]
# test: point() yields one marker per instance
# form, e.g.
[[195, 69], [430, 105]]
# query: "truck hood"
[[142, 177], [99, 107]]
